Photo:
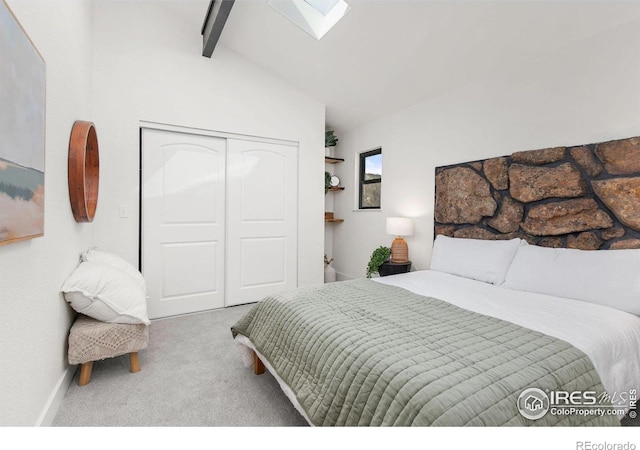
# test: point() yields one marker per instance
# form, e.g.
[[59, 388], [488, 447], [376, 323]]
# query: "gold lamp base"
[[399, 251]]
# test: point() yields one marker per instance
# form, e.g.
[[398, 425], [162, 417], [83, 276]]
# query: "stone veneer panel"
[[509, 216], [539, 157], [622, 197], [568, 216], [495, 169], [585, 158], [611, 233], [620, 157], [584, 241], [530, 183], [463, 196], [625, 243], [585, 196]]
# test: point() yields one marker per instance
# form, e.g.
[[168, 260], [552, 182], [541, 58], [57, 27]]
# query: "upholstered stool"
[[91, 340]]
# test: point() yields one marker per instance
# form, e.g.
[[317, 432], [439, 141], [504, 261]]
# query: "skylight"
[[324, 7], [316, 17]]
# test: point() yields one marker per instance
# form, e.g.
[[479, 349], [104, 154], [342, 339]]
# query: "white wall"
[[583, 93], [117, 63], [148, 67], [34, 318]]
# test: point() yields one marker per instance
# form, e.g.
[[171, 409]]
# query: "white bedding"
[[609, 337]]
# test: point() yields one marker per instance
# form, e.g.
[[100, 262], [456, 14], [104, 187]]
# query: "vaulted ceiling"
[[387, 55]]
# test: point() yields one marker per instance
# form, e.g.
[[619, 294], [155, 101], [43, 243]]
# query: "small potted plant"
[[330, 141], [327, 182], [379, 256]]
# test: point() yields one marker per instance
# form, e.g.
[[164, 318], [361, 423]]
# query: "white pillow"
[[478, 259], [93, 255], [606, 277], [105, 293]]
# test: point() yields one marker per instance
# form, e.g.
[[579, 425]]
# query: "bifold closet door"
[[183, 221], [262, 220]]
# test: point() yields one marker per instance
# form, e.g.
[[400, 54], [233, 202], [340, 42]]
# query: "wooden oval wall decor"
[[84, 169]]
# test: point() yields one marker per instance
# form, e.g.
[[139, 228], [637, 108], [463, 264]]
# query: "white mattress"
[[609, 337]]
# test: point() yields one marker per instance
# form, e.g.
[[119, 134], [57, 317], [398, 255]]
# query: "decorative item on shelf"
[[328, 215], [334, 181], [329, 271], [399, 227], [84, 170], [327, 182], [330, 141], [378, 257]]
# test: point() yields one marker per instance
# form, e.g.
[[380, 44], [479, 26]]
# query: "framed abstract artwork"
[[22, 132]]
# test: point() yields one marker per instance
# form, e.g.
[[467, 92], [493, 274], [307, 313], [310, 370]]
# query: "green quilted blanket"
[[361, 353]]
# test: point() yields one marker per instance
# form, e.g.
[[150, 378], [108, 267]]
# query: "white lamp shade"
[[399, 226]]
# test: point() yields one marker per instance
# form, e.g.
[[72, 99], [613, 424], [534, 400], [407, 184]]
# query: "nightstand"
[[393, 268]]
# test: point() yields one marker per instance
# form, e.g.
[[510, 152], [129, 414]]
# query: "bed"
[[476, 340]]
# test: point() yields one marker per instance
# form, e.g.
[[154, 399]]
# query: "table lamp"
[[399, 227]]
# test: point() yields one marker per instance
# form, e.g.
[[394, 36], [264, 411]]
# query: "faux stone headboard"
[[585, 197]]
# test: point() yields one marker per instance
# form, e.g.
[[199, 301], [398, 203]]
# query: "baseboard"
[[342, 277], [55, 400]]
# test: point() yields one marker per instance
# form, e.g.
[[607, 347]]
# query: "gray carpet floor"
[[192, 375]]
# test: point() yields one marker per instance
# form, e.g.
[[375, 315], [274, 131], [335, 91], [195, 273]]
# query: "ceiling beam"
[[214, 22]]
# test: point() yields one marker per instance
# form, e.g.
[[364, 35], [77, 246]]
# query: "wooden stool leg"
[[85, 373], [134, 362], [258, 366]]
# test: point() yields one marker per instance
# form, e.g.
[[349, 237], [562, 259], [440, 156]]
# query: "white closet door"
[[262, 220], [183, 221]]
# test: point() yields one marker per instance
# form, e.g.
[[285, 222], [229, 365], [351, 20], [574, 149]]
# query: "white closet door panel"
[[253, 253], [198, 279], [183, 237], [262, 186], [191, 172], [264, 180]]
